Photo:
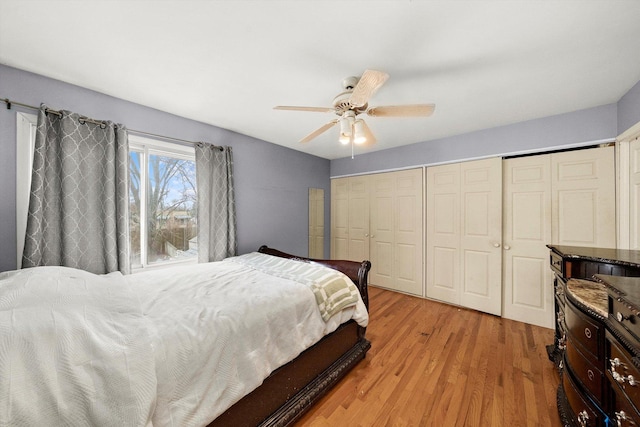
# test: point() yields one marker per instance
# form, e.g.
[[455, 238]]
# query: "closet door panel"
[[408, 231], [481, 235], [634, 195], [382, 231], [527, 279], [583, 185], [340, 218], [358, 218], [443, 233], [316, 223]]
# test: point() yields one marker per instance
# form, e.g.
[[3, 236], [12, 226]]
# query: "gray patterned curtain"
[[216, 203], [78, 209]]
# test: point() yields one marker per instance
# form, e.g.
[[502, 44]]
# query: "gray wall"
[[629, 109], [593, 124], [271, 181]]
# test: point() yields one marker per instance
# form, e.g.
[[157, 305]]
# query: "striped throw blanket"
[[333, 290]]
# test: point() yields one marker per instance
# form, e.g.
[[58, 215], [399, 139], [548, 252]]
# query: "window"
[[162, 196], [162, 203]]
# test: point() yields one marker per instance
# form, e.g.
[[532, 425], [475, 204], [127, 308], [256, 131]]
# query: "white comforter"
[[169, 347]]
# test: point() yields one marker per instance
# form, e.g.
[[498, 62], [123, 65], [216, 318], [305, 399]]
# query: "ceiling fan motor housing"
[[350, 82]]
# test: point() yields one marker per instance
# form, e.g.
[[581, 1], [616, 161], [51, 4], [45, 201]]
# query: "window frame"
[[148, 146]]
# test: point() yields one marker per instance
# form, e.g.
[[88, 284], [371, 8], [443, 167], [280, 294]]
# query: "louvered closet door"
[[442, 270], [527, 278], [481, 235], [583, 186], [340, 218]]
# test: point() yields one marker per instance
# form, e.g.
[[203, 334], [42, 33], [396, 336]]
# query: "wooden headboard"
[[358, 272]]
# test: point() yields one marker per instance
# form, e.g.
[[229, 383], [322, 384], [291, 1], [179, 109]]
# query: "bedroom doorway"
[[316, 223]]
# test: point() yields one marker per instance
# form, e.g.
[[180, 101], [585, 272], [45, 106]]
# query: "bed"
[[82, 349]]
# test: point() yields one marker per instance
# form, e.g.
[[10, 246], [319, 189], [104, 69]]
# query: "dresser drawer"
[[624, 414], [555, 261], [584, 413], [586, 332], [622, 373], [589, 375], [624, 316]]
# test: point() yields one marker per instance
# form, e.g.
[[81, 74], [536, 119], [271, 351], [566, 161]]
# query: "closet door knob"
[[496, 245], [507, 247]]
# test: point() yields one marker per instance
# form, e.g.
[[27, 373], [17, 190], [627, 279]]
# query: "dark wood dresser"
[[594, 351]]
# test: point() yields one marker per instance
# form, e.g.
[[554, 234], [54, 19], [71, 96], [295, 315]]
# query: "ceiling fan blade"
[[320, 130], [416, 110], [312, 109], [368, 84]]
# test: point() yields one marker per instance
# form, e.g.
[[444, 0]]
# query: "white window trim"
[[25, 143]]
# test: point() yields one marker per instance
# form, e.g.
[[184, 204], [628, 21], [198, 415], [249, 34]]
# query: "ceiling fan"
[[354, 101]]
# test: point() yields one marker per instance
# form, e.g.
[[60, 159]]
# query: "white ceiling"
[[228, 63]]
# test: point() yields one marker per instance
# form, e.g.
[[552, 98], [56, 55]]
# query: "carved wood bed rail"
[[293, 388]]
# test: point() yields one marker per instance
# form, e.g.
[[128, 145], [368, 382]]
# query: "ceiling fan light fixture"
[[346, 127], [359, 134]]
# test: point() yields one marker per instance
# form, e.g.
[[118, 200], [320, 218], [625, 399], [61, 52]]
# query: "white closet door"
[[442, 270], [396, 231], [634, 195], [316, 223], [481, 235], [358, 218], [382, 230], [583, 185], [340, 218], [409, 231], [527, 278]]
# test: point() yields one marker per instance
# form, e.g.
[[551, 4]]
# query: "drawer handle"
[[622, 416], [587, 332], [583, 418], [629, 379], [621, 317], [562, 342], [590, 374], [615, 362]]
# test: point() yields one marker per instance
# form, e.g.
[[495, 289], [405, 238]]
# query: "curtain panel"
[[79, 207], [217, 236]]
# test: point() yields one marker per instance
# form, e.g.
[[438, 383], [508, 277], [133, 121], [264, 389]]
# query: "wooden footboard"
[[358, 272], [290, 390]]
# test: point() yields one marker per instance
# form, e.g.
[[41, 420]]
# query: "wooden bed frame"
[[293, 388]]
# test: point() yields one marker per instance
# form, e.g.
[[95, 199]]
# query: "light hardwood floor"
[[433, 364]]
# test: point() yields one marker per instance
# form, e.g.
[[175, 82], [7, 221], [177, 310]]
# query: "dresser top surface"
[[625, 288], [606, 255], [589, 293]]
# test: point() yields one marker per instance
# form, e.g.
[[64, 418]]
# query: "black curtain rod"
[[102, 124]]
